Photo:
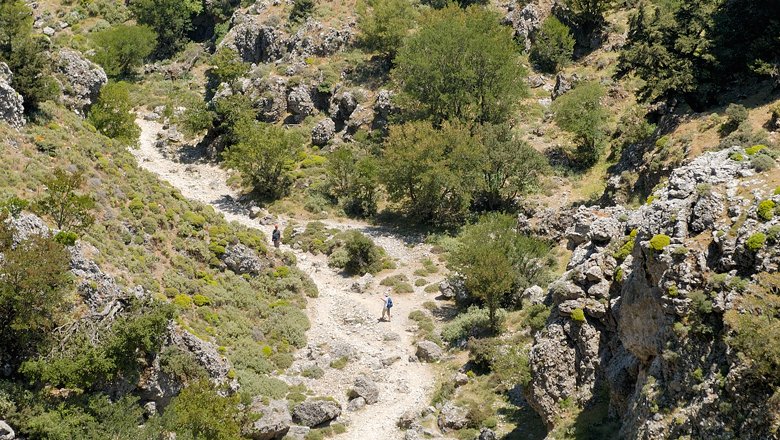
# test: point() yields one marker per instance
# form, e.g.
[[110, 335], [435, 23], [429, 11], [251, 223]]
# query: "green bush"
[[736, 114], [536, 317], [627, 247], [659, 242], [301, 10], [200, 412], [762, 162], [183, 301], [777, 191], [66, 238], [265, 155], [737, 157], [363, 255], [384, 24], [111, 114], [755, 149], [553, 46], [69, 210], [755, 242], [578, 315], [122, 49], [170, 19], [472, 322], [201, 300], [766, 210], [580, 112]]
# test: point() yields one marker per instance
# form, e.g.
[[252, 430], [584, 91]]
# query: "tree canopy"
[[461, 65]]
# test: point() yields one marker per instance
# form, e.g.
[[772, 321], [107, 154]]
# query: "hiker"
[[388, 304], [276, 236]]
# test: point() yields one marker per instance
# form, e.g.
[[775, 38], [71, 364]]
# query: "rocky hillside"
[[574, 205], [654, 310]]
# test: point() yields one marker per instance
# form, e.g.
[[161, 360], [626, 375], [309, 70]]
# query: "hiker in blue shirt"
[[388, 304]]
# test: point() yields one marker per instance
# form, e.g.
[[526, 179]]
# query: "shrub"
[[69, 210], [777, 191], [553, 46], [755, 149], [363, 255], [627, 247], [773, 234], [536, 317], [183, 301], [301, 10], [755, 242], [66, 238], [111, 114], [737, 157], [122, 49], [578, 315], [339, 363], [473, 322], [14, 206], [762, 162], [766, 210], [659, 242], [201, 300], [736, 114], [200, 412]]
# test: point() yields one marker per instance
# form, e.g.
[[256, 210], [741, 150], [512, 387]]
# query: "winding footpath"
[[343, 323]]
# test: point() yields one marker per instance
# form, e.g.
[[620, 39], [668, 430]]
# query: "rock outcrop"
[[625, 318], [6, 432], [11, 102], [243, 260], [313, 413], [365, 388], [274, 422], [428, 351], [452, 417], [81, 80]]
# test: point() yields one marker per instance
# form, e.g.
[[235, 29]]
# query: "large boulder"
[[6, 432], [365, 388], [313, 413], [428, 351], [254, 40], [267, 93], [564, 83], [342, 105], [526, 21], [242, 260], [454, 287], [300, 103], [274, 423], [323, 132], [452, 417], [11, 103], [81, 79]]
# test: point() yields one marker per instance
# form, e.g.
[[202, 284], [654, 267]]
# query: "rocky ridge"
[[629, 289]]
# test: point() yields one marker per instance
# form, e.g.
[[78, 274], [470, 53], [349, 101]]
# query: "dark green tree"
[[122, 49], [509, 166], [495, 260], [69, 210], [227, 66], [432, 173], [353, 179], [461, 65], [301, 10], [171, 20], [199, 412], [26, 55], [33, 285], [384, 24], [111, 113], [553, 46], [265, 155], [581, 113]]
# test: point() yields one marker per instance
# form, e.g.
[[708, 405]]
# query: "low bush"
[[536, 316], [578, 315], [762, 162], [659, 242], [756, 242], [473, 322], [766, 210], [363, 255], [755, 149]]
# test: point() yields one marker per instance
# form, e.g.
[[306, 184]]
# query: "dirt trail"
[[344, 323]]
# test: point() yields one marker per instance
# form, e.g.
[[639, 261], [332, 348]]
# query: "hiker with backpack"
[[388, 304]]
